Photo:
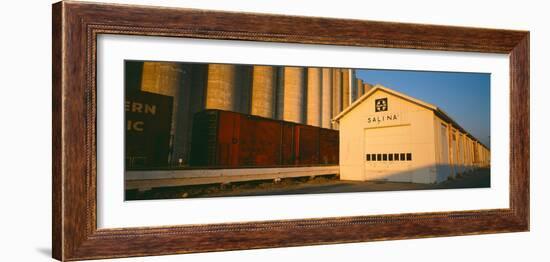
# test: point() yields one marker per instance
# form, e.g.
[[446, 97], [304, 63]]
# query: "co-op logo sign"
[[382, 117], [381, 104]]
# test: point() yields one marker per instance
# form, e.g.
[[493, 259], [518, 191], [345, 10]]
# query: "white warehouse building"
[[387, 135]]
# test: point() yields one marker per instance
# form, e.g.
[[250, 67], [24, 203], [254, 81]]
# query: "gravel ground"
[[331, 184]]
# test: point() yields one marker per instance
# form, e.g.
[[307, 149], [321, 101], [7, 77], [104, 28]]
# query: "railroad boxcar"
[[147, 130], [232, 140], [328, 146]]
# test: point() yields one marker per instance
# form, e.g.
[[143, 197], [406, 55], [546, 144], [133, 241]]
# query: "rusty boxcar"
[[147, 130], [233, 140]]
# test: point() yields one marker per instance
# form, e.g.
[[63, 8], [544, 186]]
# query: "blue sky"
[[466, 97]]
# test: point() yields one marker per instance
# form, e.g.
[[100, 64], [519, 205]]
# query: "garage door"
[[388, 154]]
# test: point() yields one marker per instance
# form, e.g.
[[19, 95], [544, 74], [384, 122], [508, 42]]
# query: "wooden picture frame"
[[76, 26]]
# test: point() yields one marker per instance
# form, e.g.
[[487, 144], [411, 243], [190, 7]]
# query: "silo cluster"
[[305, 95]]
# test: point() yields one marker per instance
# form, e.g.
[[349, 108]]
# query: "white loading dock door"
[[381, 147]]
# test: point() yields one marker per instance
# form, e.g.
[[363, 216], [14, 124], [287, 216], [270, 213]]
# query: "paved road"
[[478, 179]]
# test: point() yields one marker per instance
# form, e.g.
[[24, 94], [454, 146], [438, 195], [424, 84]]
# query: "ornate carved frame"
[[76, 26]]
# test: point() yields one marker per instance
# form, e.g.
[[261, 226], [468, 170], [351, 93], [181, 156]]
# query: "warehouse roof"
[[438, 111]]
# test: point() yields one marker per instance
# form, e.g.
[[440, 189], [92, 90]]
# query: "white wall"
[[25, 131], [411, 132]]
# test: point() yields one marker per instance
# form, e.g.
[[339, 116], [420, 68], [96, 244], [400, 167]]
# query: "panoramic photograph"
[[197, 130]]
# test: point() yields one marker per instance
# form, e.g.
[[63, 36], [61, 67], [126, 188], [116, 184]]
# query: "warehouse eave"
[[438, 111], [387, 90]]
